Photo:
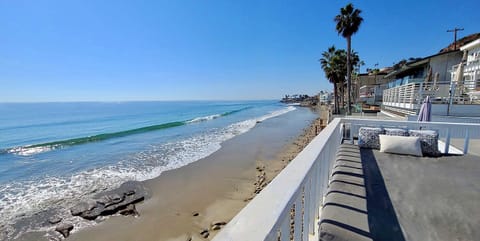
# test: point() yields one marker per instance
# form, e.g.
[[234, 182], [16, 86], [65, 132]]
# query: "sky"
[[203, 49]]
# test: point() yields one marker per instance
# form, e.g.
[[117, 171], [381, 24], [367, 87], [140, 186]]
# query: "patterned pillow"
[[368, 137], [396, 132], [428, 140]]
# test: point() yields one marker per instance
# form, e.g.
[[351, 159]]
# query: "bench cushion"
[[368, 137]]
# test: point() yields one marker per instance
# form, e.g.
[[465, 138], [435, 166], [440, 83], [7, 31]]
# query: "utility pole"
[[455, 30]]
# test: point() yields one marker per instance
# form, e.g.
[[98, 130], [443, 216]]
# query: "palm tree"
[[348, 23], [355, 64], [333, 65]]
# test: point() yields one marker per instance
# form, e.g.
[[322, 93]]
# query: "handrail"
[[302, 183], [446, 130]]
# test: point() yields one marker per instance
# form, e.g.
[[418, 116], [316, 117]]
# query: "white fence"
[[299, 186], [446, 130], [409, 97], [296, 194]]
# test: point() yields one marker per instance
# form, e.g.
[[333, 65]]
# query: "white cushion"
[[407, 145]]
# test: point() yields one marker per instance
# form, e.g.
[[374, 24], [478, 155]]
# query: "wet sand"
[[190, 199]]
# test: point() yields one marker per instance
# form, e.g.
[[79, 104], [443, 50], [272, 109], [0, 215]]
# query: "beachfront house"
[[325, 97], [470, 84], [417, 79], [436, 76], [370, 86]]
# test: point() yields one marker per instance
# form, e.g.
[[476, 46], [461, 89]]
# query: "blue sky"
[[202, 49]]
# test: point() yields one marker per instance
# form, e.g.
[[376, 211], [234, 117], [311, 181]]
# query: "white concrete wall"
[[443, 64], [451, 119], [456, 110]]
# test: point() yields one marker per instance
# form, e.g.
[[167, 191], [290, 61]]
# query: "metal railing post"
[[467, 140]]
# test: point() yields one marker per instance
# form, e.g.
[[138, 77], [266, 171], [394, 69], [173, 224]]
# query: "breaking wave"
[[48, 146]]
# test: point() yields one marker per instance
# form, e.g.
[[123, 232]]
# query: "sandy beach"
[[186, 202]]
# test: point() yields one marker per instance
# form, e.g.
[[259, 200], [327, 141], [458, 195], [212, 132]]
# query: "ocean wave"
[[29, 150], [277, 113], [204, 118], [25, 198]]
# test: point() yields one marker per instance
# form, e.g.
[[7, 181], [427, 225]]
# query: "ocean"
[[57, 154]]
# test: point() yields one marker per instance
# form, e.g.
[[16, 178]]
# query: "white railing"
[[446, 131], [301, 186], [298, 187], [409, 97]]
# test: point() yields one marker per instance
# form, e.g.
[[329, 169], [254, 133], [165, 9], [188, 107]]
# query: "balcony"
[[407, 98], [290, 207], [473, 65]]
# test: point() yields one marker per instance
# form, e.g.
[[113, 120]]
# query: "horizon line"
[[117, 101]]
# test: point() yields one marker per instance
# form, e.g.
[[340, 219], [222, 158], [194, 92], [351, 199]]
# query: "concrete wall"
[[372, 80], [450, 119], [443, 64], [456, 110]]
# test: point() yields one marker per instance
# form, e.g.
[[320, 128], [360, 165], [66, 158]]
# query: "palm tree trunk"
[[341, 91], [349, 75], [335, 97]]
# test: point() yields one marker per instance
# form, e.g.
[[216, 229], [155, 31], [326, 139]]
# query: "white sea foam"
[[277, 113], [28, 197], [28, 151], [204, 118]]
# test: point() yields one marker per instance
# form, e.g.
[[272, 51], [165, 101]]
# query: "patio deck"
[[433, 198], [381, 196]]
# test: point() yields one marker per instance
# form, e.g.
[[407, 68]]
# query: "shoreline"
[[195, 201]]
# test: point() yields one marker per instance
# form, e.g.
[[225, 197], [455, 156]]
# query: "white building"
[[451, 81], [471, 69], [325, 97]]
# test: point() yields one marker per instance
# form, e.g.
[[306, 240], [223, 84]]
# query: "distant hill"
[[461, 42]]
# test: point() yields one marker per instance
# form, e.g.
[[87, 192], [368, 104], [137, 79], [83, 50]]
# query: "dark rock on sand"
[[111, 199], [93, 213], [217, 225], [111, 202], [54, 219], [64, 229], [82, 207], [204, 233], [129, 210]]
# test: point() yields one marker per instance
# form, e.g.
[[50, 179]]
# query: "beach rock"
[[220, 223], [204, 233], [216, 227], [129, 210], [111, 202], [64, 229], [93, 213], [54, 219], [195, 214], [111, 199], [81, 208]]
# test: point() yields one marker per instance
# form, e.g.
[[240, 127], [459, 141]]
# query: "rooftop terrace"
[[428, 198]]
